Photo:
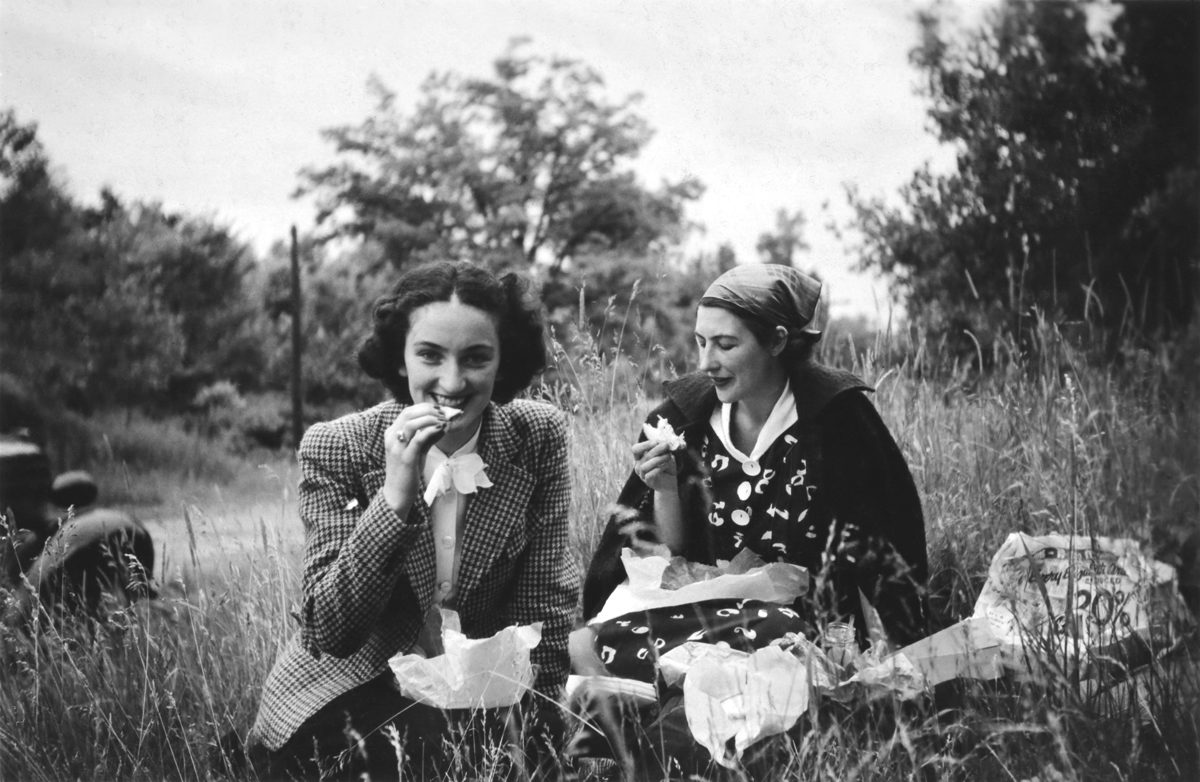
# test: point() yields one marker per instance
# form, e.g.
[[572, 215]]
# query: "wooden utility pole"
[[297, 346]]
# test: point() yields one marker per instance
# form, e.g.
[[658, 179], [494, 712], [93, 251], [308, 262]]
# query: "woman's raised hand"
[[655, 464], [405, 442]]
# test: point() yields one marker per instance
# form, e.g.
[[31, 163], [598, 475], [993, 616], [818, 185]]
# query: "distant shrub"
[[242, 423], [136, 458], [262, 422]]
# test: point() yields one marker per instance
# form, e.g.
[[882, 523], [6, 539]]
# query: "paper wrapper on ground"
[[474, 672], [743, 698], [966, 650]]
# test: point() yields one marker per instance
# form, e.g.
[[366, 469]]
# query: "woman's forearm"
[[668, 520], [351, 570]]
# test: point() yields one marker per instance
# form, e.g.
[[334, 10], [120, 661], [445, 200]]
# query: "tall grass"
[[1057, 443], [143, 461]]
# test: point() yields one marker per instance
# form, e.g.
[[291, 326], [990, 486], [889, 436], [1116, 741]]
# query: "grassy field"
[[1058, 445]]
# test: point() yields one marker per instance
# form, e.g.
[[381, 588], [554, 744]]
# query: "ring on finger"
[[402, 437]]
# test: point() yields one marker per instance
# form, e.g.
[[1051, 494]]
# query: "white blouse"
[[448, 511]]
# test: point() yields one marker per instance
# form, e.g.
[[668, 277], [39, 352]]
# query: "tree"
[[195, 272], [781, 245], [339, 294], [1162, 233], [77, 323], [115, 304], [526, 166], [1063, 173], [34, 209]]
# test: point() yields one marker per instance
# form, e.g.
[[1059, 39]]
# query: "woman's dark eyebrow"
[[478, 346], [714, 336]]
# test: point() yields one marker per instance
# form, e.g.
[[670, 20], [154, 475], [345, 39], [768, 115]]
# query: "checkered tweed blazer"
[[369, 575]]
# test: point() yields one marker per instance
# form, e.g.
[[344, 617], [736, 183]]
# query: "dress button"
[[444, 587], [751, 467], [448, 541]]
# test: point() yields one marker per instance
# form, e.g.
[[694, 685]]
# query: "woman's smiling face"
[[738, 364], [451, 358]]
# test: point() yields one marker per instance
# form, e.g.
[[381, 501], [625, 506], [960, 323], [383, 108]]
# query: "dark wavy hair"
[[801, 343], [507, 298]]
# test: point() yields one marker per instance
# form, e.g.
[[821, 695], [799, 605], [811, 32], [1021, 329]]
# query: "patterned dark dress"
[[831, 492]]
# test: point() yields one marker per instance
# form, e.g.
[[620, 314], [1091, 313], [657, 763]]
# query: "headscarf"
[[776, 294]]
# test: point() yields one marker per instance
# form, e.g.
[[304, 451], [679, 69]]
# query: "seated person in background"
[[784, 457], [452, 494], [56, 552]]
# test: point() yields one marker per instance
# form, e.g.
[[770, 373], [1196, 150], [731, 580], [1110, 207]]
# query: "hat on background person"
[[24, 471]]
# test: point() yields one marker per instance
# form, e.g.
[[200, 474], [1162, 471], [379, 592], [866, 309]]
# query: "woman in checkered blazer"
[[452, 494]]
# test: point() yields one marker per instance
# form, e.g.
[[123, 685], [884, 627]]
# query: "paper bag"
[[1077, 596]]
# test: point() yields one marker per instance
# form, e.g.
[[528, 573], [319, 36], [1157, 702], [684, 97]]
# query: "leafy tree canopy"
[[781, 245], [114, 304], [1075, 188], [528, 165]]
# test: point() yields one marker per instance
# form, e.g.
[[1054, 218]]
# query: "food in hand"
[[664, 433], [450, 412]]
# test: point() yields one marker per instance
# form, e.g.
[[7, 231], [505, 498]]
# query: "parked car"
[[55, 548]]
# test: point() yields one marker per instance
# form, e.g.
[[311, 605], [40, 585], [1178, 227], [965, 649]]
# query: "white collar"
[[782, 416], [435, 456]]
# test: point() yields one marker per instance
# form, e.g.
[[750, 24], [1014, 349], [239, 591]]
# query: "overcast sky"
[[212, 107]]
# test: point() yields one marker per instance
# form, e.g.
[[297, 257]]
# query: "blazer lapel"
[[493, 513]]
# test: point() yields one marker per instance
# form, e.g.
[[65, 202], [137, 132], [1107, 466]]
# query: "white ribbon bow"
[[463, 473]]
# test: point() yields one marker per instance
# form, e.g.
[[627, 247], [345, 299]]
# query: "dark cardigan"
[[867, 491]]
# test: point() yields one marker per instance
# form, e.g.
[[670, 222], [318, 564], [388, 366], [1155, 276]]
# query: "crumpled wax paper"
[[776, 582], [681, 571], [965, 650], [895, 675], [473, 673], [734, 700]]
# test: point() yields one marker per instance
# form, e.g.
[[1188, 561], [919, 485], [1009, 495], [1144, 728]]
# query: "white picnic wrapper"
[[776, 582], [745, 698], [474, 673], [895, 674], [663, 432]]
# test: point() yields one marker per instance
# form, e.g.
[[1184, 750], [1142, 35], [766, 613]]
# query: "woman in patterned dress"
[[451, 494], [784, 457]]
